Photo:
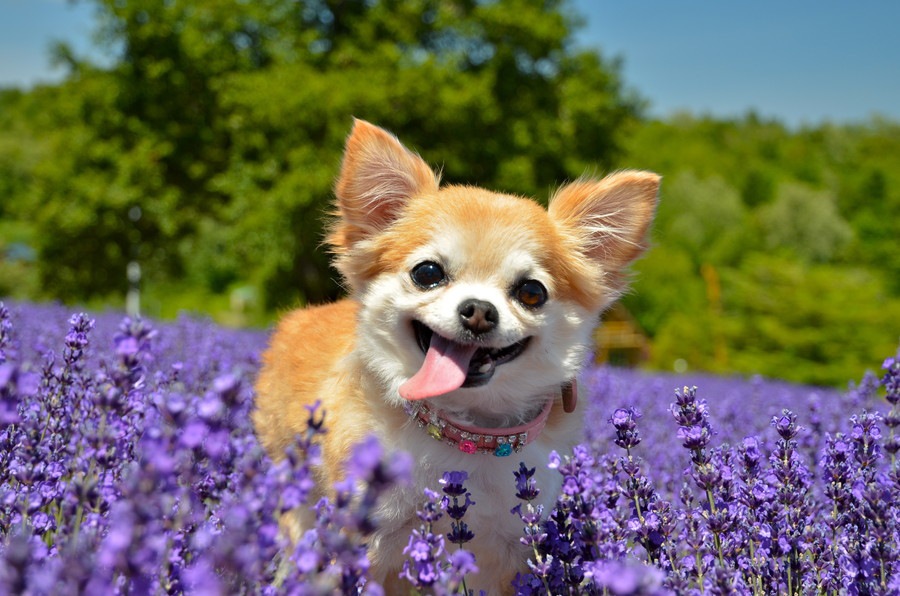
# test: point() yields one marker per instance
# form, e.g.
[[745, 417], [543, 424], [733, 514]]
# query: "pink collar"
[[499, 442]]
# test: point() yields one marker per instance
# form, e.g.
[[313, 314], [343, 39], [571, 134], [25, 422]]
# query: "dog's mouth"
[[450, 365]]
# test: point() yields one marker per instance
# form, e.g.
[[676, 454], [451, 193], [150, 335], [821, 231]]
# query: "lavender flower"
[[891, 384], [9, 402], [430, 566], [128, 465], [454, 489], [791, 508], [624, 421], [644, 522], [5, 334], [626, 577]]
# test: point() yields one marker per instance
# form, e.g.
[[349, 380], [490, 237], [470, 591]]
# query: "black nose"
[[478, 316]]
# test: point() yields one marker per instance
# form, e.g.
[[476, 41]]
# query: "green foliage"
[[705, 218], [775, 251], [804, 223], [206, 150], [784, 319], [811, 323]]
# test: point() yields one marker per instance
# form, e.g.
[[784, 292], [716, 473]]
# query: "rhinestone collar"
[[498, 442]]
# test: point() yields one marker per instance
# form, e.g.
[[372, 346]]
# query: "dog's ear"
[[609, 218], [378, 176]]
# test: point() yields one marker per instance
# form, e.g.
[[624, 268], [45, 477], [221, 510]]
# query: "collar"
[[499, 442]]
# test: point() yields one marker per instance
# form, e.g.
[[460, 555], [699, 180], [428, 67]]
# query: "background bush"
[[206, 148]]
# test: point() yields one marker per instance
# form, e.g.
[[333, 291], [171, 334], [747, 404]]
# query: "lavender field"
[[128, 465]]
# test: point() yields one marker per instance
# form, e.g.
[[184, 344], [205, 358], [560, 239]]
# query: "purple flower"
[[526, 488], [6, 348], [430, 511], [455, 502], [226, 384], [462, 563], [624, 421], [128, 464], [625, 577], [9, 402], [452, 483], [456, 509], [786, 425], [891, 380], [694, 437], [364, 458], [202, 580], [429, 564]]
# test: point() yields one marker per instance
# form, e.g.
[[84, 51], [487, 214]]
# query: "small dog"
[[470, 314]]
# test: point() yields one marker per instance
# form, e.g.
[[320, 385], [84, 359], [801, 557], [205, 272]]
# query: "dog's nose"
[[478, 316]]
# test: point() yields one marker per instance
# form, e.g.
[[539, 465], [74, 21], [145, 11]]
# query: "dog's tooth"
[[486, 366]]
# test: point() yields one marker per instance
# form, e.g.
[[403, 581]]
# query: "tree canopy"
[[206, 147], [206, 150], [775, 249]]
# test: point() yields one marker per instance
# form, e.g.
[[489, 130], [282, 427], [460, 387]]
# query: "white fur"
[[487, 244], [560, 332]]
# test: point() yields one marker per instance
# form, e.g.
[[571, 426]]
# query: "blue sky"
[[801, 61]]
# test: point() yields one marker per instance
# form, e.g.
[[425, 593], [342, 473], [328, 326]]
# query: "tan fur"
[[293, 377], [352, 355]]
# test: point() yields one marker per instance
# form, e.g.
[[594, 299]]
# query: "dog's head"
[[483, 302]]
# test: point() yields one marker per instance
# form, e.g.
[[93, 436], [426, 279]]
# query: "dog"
[[469, 316]]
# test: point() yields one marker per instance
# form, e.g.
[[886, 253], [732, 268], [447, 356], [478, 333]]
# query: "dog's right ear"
[[378, 176]]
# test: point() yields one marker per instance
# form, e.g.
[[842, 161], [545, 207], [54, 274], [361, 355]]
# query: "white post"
[[133, 297], [133, 271]]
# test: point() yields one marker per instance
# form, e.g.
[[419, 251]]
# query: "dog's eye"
[[531, 293], [427, 274]]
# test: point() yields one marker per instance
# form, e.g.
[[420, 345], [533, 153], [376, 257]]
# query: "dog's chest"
[[491, 481]]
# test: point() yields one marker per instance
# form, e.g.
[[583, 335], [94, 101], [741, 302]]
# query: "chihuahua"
[[470, 314]]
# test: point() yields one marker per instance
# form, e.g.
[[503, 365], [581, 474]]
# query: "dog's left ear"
[[609, 217], [378, 176]]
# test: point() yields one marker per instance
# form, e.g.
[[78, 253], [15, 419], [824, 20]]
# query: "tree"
[[819, 323], [222, 121], [801, 270], [706, 218], [806, 223]]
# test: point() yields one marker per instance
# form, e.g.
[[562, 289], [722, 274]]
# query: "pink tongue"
[[445, 368]]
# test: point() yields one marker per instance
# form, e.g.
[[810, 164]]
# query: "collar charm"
[[499, 442]]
